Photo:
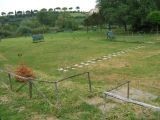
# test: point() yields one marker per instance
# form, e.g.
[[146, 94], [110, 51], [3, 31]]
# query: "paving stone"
[[88, 61], [76, 65], [80, 66], [86, 64], [105, 58], [60, 69]]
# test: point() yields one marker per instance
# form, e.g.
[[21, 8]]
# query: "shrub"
[[31, 23], [66, 22], [5, 33], [40, 30], [24, 71], [24, 30]]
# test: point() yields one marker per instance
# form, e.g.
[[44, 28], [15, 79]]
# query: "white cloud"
[[11, 5]]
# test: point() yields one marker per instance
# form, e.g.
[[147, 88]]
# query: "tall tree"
[[124, 12], [3, 13], [78, 8], [70, 8], [64, 8], [154, 18]]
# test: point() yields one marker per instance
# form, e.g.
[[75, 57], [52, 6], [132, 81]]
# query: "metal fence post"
[[10, 82], [89, 81], [30, 89]]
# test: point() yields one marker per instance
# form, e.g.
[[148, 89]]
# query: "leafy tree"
[[31, 23], [35, 11], [43, 10], [65, 22], [64, 8], [78, 8], [28, 12], [19, 13], [57, 8], [126, 12], [10, 13], [154, 18], [3, 13], [47, 18], [50, 10], [23, 30], [70, 8]]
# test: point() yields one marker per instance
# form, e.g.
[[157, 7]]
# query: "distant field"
[[62, 50]]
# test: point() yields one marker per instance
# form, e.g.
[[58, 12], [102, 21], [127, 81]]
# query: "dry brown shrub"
[[24, 71]]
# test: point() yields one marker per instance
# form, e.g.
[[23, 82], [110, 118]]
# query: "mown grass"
[[67, 49]]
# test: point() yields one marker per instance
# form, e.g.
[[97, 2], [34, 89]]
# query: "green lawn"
[[67, 49]]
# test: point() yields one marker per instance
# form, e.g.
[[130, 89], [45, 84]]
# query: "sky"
[[12, 5]]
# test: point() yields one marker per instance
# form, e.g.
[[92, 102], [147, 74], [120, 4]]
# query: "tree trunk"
[[157, 29], [125, 27]]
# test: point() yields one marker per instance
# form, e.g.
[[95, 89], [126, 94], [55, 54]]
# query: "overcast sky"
[[12, 5]]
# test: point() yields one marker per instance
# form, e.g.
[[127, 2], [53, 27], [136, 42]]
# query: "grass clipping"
[[24, 71]]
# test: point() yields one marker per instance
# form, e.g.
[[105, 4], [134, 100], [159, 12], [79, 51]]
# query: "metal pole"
[[128, 90], [89, 81], [10, 82], [30, 89]]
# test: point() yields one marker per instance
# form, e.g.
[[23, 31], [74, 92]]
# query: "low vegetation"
[[60, 50]]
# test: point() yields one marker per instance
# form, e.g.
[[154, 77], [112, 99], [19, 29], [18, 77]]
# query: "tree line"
[[31, 12], [134, 15], [35, 22]]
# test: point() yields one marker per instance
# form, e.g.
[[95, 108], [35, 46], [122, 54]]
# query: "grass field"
[[60, 50]]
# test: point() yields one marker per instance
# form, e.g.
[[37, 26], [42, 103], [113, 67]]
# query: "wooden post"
[[89, 81], [30, 89], [10, 82], [56, 92], [128, 90]]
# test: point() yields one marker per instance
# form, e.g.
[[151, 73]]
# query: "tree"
[[64, 8], [47, 18], [126, 12], [154, 17], [70, 8], [28, 12], [3, 13], [57, 8], [50, 10], [43, 10], [24, 30], [19, 13], [78, 8], [35, 11], [10, 13], [66, 22]]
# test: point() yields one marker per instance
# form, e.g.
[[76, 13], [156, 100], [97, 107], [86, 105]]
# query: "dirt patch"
[[51, 118], [95, 101], [37, 116], [107, 107]]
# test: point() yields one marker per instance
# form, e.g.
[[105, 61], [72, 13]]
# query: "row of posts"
[[30, 85]]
